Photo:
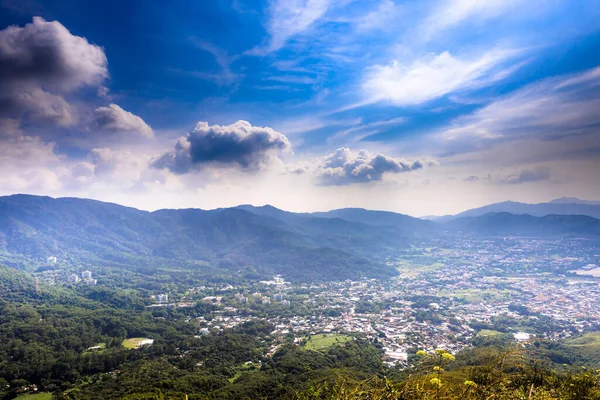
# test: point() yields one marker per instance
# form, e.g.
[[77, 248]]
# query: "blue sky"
[[422, 107]]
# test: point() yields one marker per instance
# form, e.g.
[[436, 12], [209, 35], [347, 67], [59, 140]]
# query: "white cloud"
[[551, 108], [429, 78], [114, 118], [454, 12], [382, 17], [346, 167], [288, 18]]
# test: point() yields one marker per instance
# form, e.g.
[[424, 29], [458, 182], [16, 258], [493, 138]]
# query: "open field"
[[37, 396], [488, 333], [479, 295], [324, 341], [591, 339], [135, 343]]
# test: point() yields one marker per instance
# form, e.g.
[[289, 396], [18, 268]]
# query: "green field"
[[591, 339], [477, 295], [37, 396], [487, 333], [133, 343], [101, 345], [323, 341]]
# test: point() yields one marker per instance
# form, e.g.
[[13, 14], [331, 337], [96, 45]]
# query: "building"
[[86, 274], [162, 298], [278, 297], [285, 303], [73, 278], [51, 260], [90, 281]]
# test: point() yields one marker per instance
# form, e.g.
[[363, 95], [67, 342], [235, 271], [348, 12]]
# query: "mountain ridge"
[[348, 243]]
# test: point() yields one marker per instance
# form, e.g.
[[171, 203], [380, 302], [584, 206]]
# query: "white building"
[[162, 298], [51, 260], [90, 281], [73, 278], [86, 274]]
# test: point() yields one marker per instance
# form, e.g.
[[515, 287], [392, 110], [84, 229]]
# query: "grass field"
[[487, 332], [478, 296], [324, 341], [134, 343], [90, 350], [591, 339], [37, 396]]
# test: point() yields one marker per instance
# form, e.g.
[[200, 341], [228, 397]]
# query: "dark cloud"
[[114, 118], [240, 144], [345, 167], [42, 62]]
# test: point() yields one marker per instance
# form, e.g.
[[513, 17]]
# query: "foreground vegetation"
[[80, 343]]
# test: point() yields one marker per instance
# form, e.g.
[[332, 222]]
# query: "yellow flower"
[[437, 368], [421, 353], [471, 383], [436, 382], [448, 356]]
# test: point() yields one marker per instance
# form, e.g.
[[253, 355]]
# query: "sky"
[[424, 107]]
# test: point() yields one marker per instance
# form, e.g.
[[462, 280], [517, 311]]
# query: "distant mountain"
[[233, 239], [245, 241], [556, 207], [505, 224]]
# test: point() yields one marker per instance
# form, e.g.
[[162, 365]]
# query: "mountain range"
[[562, 206], [252, 241]]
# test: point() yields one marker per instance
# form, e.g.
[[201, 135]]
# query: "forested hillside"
[[264, 241]]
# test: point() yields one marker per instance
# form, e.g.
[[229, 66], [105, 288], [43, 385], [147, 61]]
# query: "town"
[[443, 298]]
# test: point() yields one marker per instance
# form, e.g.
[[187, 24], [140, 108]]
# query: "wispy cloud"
[[288, 18], [554, 107], [453, 12], [297, 79], [222, 58], [361, 131], [430, 77], [379, 18]]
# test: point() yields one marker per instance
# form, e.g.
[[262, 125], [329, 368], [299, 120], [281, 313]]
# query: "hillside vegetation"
[[256, 242]]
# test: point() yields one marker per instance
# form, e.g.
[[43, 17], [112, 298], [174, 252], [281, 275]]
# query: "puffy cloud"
[[345, 167], [42, 62], [114, 118], [429, 78], [240, 144]]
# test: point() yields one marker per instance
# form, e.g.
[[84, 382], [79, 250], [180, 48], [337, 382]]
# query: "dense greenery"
[[218, 242], [68, 342], [252, 242]]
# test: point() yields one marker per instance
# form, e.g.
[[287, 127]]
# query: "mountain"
[[231, 239], [557, 207], [506, 224], [244, 241]]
